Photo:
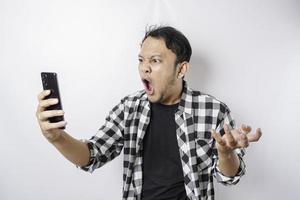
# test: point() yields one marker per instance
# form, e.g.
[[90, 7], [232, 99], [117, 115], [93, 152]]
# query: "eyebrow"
[[155, 55]]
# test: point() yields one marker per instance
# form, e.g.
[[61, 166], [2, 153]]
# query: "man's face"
[[157, 70]]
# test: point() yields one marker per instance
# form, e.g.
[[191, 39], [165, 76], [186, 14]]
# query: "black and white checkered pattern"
[[197, 114]]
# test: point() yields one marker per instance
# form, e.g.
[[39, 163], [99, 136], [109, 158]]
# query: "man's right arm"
[[74, 150]]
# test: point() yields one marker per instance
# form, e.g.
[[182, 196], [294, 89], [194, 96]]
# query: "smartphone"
[[50, 82]]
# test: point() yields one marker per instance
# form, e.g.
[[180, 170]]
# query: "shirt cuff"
[[89, 167], [227, 180]]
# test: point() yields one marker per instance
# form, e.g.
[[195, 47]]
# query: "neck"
[[174, 94]]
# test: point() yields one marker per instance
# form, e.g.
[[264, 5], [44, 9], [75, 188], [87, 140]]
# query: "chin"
[[154, 98]]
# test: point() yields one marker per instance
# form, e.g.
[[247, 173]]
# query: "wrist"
[[226, 154], [55, 136]]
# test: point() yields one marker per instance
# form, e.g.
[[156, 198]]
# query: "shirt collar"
[[186, 100]]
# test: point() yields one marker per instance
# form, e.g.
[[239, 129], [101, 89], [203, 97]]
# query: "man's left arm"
[[231, 147]]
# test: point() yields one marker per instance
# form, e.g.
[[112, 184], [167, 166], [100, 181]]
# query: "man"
[[175, 139]]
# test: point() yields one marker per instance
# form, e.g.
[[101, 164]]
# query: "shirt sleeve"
[[108, 142], [226, 118]]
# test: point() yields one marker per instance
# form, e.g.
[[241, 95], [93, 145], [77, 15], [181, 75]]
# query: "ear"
[[182, 69]]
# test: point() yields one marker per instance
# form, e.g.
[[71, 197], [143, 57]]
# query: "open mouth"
[[148, 86]]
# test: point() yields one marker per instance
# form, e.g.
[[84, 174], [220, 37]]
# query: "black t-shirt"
[[162, 169]]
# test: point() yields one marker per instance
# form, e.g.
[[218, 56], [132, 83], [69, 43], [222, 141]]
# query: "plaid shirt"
[[197, 114]]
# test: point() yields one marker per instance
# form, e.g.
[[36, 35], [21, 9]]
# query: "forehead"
[[153, 46]]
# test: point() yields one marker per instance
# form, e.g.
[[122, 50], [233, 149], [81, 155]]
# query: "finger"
[[255, 137], [57, 125], [245, 128], [243, 141], [43, 116], [46, 103], [46, 126], [231, 142], [43, 94], [217, 137]]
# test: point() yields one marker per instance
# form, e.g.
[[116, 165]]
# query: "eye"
[[155, 60], [140, 60]]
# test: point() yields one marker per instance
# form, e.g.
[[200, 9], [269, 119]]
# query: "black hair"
[[174, 40]]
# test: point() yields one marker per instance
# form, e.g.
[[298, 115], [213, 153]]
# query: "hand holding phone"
[[50, 82]]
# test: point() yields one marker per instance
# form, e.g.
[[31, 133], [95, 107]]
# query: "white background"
[[245, 53]]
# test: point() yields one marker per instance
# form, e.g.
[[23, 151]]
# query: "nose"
[[145, 67]]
